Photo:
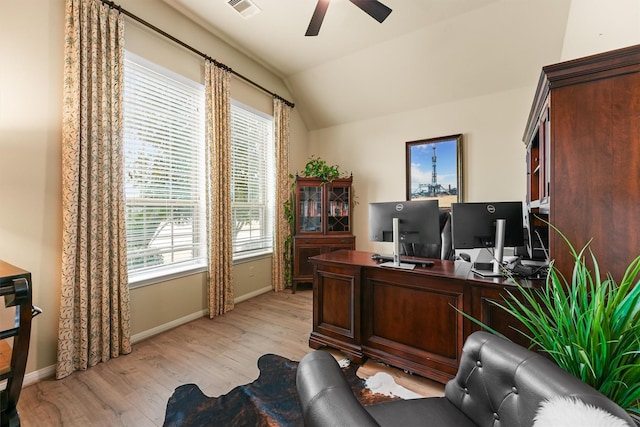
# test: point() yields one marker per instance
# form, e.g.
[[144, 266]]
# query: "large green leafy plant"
[[589, 325], [318, 168]]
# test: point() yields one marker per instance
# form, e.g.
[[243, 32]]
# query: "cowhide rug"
[[270, 400]]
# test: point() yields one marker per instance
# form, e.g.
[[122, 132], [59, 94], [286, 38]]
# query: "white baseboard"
[[166, 326], [253, 294], [39, 375], [186, 319], [50, 371]]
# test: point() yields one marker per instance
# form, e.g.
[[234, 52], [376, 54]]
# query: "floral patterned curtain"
[[218, 161], [282, 230], [94, 322]]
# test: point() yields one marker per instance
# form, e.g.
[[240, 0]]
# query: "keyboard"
[[404, 260]]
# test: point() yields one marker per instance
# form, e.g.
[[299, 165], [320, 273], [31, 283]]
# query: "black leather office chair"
[[443, 250], [498, 384]]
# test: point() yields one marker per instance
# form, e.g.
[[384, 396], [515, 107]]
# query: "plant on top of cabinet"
[[318, 168]]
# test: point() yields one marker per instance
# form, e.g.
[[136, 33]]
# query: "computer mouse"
[[465, 256]]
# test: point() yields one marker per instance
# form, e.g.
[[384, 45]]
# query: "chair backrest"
[[446, 249], [500, 383], [442, 250]]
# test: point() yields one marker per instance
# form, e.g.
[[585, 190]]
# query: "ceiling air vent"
[[246, 8]]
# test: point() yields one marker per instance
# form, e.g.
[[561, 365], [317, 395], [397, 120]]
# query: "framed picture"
[[434, 170]]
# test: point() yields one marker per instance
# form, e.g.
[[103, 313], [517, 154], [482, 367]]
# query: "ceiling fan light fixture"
[[373, 8], [246, 8]]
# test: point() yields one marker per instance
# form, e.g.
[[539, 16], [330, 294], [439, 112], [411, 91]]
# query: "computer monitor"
[[418, 225], [474, 224], [487, 225]]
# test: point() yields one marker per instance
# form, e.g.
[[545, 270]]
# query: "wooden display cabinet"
[[583, 154], [538, 162], [323, 222]]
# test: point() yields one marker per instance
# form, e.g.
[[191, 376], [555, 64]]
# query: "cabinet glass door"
[[310, 209], [545, 156], [338, 210]]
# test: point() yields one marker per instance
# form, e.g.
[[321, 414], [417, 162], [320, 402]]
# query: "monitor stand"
[[485, 265], [488, 264], [396, 250]]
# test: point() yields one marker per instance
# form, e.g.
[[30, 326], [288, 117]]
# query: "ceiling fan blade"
[[317, 17], [373, 8]]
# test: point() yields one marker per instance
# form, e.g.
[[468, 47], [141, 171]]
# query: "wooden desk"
[[402, 317]]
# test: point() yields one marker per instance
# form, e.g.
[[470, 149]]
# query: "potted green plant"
[[589, 325], [318, 168], [289, 213]]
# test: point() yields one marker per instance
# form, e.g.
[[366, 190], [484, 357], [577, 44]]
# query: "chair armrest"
[[325, 396]]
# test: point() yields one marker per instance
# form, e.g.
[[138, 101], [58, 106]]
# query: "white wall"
[[596, 26], [494, 46], [31, 55], [374, 150]]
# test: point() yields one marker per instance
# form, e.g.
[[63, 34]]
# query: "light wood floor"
[[216, 354]]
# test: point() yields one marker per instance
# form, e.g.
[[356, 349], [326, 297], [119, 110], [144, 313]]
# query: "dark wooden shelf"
[[583, 126]]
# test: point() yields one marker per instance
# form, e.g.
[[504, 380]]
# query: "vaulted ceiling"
[[427, 52]]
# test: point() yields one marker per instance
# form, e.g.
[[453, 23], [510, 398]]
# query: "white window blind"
[[252, 181], [164, 164]]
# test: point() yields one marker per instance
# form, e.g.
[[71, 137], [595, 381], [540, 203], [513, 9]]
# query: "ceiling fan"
[[373, 8]]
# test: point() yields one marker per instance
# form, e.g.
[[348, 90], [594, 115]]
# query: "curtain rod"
[[194, 50]]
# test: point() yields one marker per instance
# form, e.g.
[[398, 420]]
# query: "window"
[[164, 174], [164, 171], [252, 181]]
